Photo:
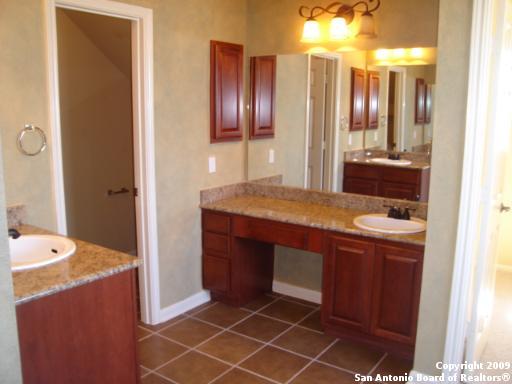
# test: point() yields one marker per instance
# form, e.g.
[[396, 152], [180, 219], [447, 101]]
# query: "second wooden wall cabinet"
[[372, 100], [357, 118], [226, 91], [263, 97]]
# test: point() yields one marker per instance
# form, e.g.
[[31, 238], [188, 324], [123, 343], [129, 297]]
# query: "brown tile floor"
[[275, 339]]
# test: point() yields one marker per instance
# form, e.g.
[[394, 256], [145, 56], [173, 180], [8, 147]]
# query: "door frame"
[[400, 85], [466, 252], [143, 132], [335, 134]]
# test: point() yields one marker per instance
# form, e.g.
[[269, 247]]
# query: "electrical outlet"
[[212, 164], [349, 139], [375, 136], [414, 134], [271, 156]]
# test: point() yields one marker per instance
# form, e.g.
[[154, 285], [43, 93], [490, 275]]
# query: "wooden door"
[[263, 97], [357, 99], [391, 141], [397, 285], [372, 97], [347, 284], [317, 121], [226, 91], [419, 115]]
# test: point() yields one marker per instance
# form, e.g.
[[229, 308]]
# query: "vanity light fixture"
[[343, 16]]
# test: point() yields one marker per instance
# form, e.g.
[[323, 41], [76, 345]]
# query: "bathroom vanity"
[[371, 281], [77, 318]]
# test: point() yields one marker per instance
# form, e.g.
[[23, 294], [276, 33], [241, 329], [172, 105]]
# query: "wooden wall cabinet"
[[263, 97], [428, 103], [357, 96], [372, 100], [226, 91], [371, 291], [392, 182], [85, 334], [419, 105]]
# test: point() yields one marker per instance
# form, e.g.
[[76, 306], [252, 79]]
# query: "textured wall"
[[182, 32], [447, 158], [96, 125], [10, 369]]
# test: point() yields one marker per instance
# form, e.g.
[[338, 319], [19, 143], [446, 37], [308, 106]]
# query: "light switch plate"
[[414, 134], [375, 136], [212, 164], [271, 156], [349, 139]]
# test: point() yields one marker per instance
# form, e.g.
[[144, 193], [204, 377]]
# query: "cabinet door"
[[226, 91], [357, 99], [397, 284], [216, 273], [263, 95], [399, 191], [419, 115], [372, 111], [361, 186], [347, 285], [428, 103]]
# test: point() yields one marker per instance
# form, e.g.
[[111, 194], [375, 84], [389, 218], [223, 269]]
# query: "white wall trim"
[[143, 125], [504, 268], [467, 231], [183, 306], [297, 292]]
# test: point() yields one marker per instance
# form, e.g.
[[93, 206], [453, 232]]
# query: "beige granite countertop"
[[307, 214], [367, 161], [90, 262]]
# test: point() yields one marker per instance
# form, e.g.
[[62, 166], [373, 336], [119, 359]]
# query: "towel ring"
[[30, 128]]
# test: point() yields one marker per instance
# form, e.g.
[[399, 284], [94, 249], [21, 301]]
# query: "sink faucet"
[[14, 233], [397, 213]]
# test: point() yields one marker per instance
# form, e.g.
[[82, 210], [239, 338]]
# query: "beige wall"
[[96, 127], [505, 240], [447, 158], [290, 121], [181, 91], [10, 369]]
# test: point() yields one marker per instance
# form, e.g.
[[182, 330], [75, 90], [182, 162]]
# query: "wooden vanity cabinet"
[[85, 334], [371, 291], [395, 183]]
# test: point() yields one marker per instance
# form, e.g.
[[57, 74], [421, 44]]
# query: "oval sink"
[[385, 161], [380, 222], [33, 251]]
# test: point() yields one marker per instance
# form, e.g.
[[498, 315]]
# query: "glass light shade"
[[311, 32], [339, 29], [367, 26]]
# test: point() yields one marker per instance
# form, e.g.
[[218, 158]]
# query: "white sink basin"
[[380, 222], [33, 251], [385, 161]]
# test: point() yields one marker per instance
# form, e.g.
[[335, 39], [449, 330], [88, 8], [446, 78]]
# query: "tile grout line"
[[312, 361], [378, 363]]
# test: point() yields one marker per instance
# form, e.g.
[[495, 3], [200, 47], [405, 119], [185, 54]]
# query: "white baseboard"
[[183, 306], [297, 292], [504, 268]]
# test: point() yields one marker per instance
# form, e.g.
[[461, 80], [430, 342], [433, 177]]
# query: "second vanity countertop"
[[307, 214], [90, 262], [367, 161]]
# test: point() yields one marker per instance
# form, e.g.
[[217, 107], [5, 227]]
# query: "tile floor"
[[275, 339]]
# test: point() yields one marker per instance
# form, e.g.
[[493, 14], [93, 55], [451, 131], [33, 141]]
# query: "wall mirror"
[[334, 109]]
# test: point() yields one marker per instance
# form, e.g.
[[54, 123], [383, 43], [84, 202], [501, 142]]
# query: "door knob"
[[504, 208]]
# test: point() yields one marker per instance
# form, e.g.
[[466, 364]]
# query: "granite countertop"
[[307, 214], [89, 263], [367, 161]]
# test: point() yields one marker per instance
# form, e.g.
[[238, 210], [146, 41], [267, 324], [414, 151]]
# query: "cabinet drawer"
[[400, 191], [403, 176], [213, 242], [214, 222], [361, 186], [216, 273], [362, 171], [268, 231]]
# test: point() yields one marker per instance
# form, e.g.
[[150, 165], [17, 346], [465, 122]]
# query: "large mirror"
[[336, 113]]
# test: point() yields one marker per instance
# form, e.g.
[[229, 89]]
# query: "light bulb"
[[339, 29], [311, 32]]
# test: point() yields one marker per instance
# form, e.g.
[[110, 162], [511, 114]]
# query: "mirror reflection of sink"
[[383, 160], [380, 222], [33, 251]]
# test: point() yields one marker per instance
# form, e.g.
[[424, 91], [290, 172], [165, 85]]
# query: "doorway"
[[142, 157], [391, 136], [321, 129]]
